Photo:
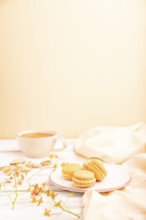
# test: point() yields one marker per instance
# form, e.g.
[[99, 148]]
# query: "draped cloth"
[[124, 145]]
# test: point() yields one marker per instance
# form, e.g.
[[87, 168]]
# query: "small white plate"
[[116, 178]]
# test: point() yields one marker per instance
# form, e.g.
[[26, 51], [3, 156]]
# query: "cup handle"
[[63, 143]]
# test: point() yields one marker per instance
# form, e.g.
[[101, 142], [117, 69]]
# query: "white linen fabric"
[[112, 144], [124, 145], [125, 204]]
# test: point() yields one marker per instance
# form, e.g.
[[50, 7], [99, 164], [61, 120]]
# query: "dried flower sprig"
[[37, 192], [16, 174]]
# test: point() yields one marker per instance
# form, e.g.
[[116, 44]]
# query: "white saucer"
[[116, 178]]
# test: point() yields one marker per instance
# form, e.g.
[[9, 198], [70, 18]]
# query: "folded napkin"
[[125, 204], [112, 144]]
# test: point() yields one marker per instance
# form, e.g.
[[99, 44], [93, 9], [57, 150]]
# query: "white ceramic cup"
[[39, 143]]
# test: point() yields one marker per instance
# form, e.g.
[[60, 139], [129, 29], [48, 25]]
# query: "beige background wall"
[[70, 65]]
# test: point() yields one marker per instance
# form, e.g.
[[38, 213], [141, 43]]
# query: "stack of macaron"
[[69, 169], [85, 175]]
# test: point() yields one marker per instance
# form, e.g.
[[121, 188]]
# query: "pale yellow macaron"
[[83, 178], [69, 169], [97, 167]]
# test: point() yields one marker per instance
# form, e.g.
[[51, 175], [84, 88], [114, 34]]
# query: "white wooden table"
[[24, 209]]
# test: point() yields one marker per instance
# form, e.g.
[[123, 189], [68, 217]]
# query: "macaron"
[[69, 169], [83, 178], [97, 167]]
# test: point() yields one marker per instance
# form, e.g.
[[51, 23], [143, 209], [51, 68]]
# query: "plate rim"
[[83, 190]]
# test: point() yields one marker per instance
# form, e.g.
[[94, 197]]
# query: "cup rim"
[[19, 134]]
